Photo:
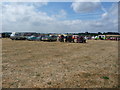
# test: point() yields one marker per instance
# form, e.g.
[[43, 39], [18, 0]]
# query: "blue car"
[[34, 38]]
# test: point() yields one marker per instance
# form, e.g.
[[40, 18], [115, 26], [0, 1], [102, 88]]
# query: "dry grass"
[[36, 64]]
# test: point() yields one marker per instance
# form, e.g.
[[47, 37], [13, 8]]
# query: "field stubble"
[[35, 64]]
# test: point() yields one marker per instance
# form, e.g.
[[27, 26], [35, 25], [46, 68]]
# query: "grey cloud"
[[85, 7]]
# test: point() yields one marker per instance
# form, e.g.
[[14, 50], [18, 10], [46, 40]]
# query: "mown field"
[[36, 64]]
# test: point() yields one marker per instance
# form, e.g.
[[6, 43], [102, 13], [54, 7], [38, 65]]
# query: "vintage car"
[[34, 38], [17, 36], [49, 38]]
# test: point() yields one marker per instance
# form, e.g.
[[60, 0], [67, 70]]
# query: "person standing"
[[66, 38], [62, 38]]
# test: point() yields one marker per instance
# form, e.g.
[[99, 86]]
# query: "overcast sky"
[[59, 17]]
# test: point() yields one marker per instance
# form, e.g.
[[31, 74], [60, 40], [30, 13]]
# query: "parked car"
[[49, 38], [5, 34], [17, 36], [34, 38]]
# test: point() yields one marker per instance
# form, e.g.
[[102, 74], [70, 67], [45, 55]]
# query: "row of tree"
[[7, 34], [99, 33]]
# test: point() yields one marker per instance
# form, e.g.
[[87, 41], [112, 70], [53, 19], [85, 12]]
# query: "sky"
[[59, 17]]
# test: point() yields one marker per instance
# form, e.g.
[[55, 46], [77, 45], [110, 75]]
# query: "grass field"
[[35, 64]]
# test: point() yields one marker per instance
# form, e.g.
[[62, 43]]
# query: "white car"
[[17, 36]]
